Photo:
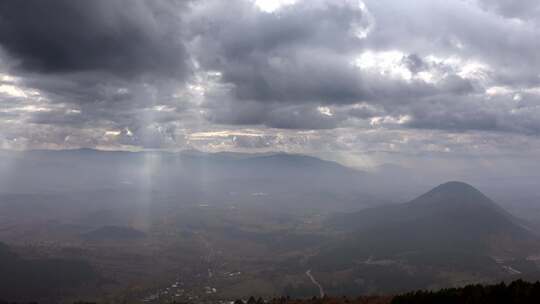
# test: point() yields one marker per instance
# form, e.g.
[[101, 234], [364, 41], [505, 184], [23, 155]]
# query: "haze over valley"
[[269, 151], [192, 226]]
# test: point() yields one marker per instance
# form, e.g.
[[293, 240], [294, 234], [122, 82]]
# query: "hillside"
[[516, 292], [39, 279], [451, 217], [448, 236]]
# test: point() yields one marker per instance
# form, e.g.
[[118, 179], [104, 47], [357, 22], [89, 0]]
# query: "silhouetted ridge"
[[516, 292], [452, 218], [456, 199], [452, 188], [454, 192]]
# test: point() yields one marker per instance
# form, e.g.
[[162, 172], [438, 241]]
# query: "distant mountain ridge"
[[194, 177]]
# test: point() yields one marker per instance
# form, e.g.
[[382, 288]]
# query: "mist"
[[255, 151]]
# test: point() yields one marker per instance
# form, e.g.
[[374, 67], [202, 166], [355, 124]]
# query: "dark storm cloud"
[[459, 28], [59, 117], [272, 115], [302, 117], [477, 114], [526, 9], [97, 66], [301, 57], [145, 73], [276, 63], [455, 119], [121, 37], [414, 63], [297, 54], [365, 111]]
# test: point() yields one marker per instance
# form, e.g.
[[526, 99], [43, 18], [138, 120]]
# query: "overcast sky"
[[363, 82]]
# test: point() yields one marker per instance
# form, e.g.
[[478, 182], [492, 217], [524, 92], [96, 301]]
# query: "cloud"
[[526, 9], [103, 65], [123, 38], [300, 53], [321, 76]]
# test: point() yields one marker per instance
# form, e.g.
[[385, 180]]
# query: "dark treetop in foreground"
[[516, 292]]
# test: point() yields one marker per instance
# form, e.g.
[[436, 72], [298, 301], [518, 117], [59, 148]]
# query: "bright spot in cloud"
[[389, 120], [33, 108], [7, 78], [473, 70], [163, 108], [387, 63], [220, 134], [112, 133], [325, 111], [426, 76], [197, 88], [498, 90], [467, 69], [12, 90], [122, 91], [270, 6], [28, 108], [73, 111], [363, 28]]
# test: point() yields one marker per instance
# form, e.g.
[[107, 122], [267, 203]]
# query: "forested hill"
[[517, 292], [39, 279]]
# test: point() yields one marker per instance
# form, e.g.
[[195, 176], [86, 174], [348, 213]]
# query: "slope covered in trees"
[[517, 292], [39, 279], [451, 218]]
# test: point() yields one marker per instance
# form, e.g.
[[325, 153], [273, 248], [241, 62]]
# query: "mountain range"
[[289, 180]]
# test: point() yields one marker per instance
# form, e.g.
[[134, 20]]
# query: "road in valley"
[[312, 278]]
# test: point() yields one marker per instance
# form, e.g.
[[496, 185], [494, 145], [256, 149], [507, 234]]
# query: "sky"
[[453, 84]]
